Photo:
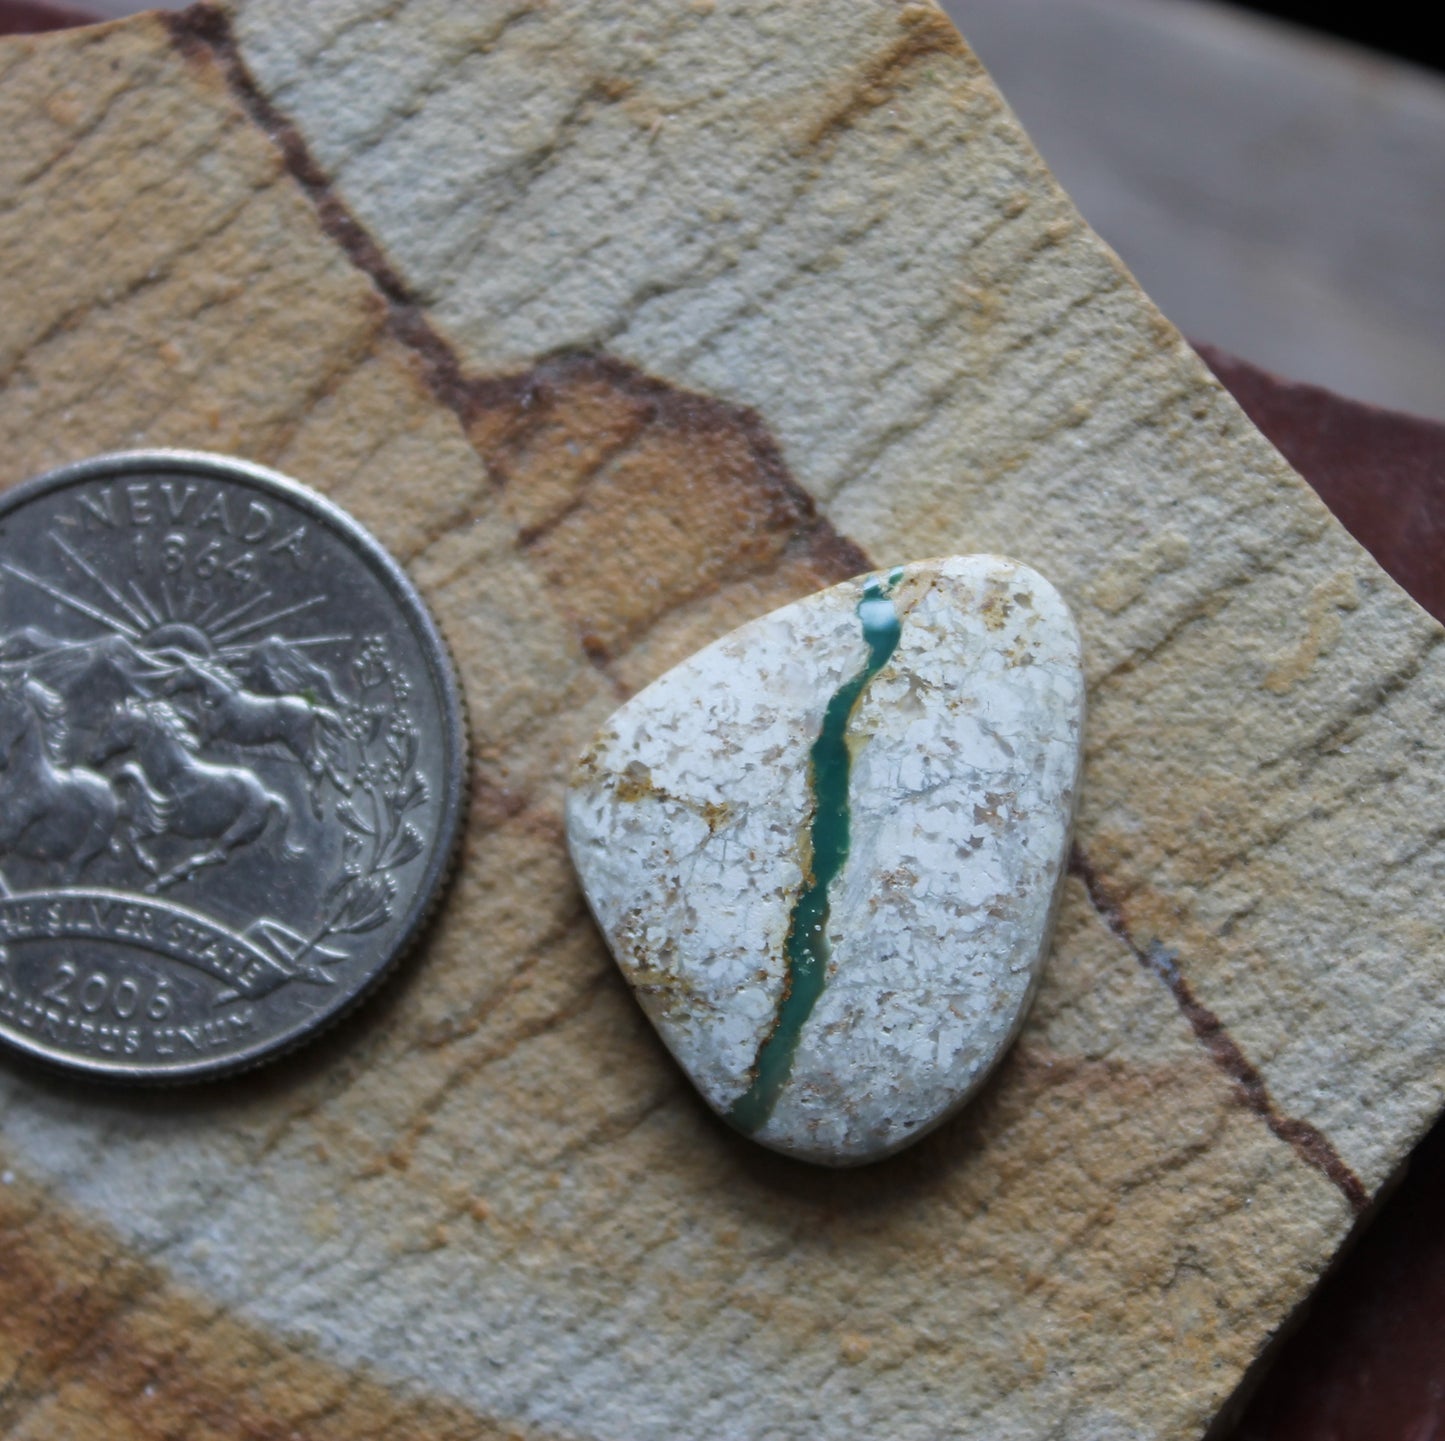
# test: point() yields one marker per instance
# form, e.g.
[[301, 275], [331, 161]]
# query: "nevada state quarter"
[[231, 764]]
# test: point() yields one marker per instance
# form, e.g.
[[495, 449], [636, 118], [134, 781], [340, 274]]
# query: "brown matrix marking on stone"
[[504, 416], [1307, 1141], [927, 32], [577, 439], [589, 433]]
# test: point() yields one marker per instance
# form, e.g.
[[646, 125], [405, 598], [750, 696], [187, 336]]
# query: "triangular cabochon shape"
[[826, 850]]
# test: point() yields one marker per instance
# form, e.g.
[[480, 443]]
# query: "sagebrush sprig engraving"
[[379, 839]]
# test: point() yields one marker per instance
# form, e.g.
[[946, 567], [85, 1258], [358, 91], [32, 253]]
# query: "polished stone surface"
[[826, 850]]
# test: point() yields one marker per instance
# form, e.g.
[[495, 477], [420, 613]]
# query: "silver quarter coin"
[[232, 759]]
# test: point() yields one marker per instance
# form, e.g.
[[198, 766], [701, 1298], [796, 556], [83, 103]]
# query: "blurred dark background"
[[1410, 32], [1278, 191]]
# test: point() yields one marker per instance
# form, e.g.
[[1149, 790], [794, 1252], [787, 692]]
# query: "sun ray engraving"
[[145, 603], [218, 629], [109, 591], [238, 631], [323, 640], [108, 621], [230, 653]]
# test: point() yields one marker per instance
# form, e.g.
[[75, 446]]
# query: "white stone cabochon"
[[688, 821]]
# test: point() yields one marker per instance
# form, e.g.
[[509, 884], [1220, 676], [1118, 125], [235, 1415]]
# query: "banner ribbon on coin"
[[249, 966]]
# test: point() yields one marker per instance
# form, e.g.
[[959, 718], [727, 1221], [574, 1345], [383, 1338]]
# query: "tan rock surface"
[[581, 308]]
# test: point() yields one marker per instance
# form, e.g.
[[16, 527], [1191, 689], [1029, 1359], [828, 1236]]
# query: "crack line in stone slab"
[[1307, 1141], [806, 948], [204, 32]]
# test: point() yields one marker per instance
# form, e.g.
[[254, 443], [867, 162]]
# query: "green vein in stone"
[[806, 948]]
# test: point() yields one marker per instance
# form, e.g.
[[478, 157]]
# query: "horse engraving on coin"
[[231, 760]]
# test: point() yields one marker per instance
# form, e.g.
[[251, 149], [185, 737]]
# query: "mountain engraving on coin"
[[231, 758]]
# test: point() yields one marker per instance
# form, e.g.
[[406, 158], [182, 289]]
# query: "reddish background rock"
[[1367, 1362], [25, 17], [1382, 473]]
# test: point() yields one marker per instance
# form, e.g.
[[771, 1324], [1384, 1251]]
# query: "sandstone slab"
[[624, 323]]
